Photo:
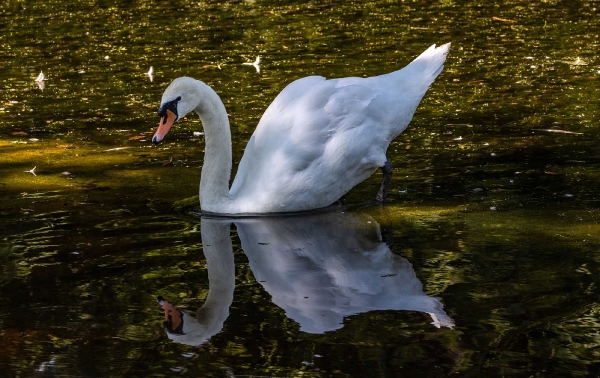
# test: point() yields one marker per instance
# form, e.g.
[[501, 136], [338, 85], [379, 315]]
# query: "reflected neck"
[[218, 250]]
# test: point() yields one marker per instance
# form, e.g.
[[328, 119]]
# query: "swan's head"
[[181, 97]]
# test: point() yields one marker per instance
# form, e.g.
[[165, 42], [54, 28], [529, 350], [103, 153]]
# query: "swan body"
[[316, 141]]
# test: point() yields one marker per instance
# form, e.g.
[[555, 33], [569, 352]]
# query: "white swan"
[[316, 141]]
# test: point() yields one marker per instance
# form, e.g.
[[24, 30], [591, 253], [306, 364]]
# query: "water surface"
[[483, 262]]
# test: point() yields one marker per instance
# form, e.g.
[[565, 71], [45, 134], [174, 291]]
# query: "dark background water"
[[494, 204]]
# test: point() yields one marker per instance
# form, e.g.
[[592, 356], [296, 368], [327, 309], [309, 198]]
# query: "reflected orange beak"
[[173, 317], [164, 126]]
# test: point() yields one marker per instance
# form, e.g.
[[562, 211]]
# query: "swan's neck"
[[216, 172]]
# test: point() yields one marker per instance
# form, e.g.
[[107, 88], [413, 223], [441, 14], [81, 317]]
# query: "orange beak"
[[164, 126]]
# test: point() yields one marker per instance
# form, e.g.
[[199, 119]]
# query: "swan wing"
[[319, 138], [300, 144]]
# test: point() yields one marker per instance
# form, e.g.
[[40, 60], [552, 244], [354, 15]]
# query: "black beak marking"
[[172, 106]]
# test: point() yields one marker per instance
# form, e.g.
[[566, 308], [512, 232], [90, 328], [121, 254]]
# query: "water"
[[483, 263]]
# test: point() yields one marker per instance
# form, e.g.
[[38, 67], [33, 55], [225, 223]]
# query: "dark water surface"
[[483, 263]]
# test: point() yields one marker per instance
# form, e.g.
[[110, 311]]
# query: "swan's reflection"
[[195, 329], [318, 268]]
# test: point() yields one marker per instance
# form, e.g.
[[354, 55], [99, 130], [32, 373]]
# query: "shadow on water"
[[491, 158]]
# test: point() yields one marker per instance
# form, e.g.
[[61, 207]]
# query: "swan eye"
[[171, 105]]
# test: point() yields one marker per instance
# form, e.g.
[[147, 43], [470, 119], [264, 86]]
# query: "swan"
[[316, 141]]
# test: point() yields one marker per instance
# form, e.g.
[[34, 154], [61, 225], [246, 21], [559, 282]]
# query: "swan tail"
[[430, 63]]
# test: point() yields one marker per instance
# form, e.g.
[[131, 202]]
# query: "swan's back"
[[320, 138]]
